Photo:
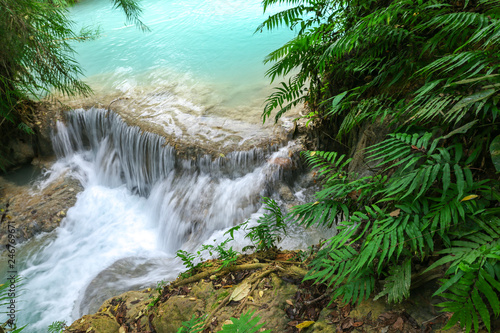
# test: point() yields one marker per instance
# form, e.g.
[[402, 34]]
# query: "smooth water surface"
[[205, 51]]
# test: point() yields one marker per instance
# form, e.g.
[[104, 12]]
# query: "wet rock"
[[369, 135], [286, 193], [376, 308], [33, 211], [21, 151], [104, 285], [99, 322], [282, 162], [323, 325]]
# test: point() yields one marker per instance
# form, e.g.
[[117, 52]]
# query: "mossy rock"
[[170, 315], [97, 323]]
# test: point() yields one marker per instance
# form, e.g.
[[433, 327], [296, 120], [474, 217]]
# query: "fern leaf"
[[245, 324], [397, 285]]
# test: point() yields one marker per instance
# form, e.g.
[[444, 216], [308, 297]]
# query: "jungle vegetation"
[[426, 72], [36, 56]]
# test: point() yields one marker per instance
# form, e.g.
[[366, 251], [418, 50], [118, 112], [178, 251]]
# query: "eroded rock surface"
[[272, 288], [33, 211]]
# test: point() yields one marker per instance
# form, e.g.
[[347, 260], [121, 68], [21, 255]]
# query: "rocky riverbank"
[[268, 285], [33, 210]]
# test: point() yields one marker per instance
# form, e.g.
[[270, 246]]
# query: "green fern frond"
[[288, 17], [194, 325], [397, 284], [271, 227], [319, 213], [329, 164], [244, 324], [287, 92]]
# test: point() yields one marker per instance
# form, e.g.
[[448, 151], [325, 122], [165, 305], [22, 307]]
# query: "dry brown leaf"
[[347, 323], [398, 325], [395, 213], [261, 293], [346, 310], [240, 292], [289, 302]]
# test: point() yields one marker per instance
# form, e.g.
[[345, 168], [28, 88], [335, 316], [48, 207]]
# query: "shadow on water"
[[24, 175]]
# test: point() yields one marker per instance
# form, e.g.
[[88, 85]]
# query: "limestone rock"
[[98, 323]]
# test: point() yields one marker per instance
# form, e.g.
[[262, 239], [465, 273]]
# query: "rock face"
[[32, 211], [18, 147]]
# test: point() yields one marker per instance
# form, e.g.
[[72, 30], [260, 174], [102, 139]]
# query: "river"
[[198, 73]]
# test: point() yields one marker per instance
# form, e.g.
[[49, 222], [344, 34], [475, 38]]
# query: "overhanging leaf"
[[466, 101], [461, 129]]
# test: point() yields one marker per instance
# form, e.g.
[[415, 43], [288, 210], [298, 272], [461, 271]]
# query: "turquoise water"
[[201, 58], [206, 50]]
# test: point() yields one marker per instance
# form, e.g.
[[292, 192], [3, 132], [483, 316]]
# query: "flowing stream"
[[140, 204], [200, 69]]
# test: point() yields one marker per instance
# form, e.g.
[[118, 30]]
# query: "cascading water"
[[140, 204], [198, 78]]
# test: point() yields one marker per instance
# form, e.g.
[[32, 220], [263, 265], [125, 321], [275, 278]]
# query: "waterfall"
[[141, 203]]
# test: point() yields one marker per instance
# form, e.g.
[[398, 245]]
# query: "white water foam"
[[138, 207]]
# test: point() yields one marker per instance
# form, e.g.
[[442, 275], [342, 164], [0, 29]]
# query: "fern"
[[429, 69], [474, 273], [245, 324], [287, 92], [397, 285], [194, 325], [271, 227]]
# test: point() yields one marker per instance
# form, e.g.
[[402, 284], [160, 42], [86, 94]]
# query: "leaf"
[[466, 101], [470, 197], [240, 292], [395, 213], [245, 324], [304, 324], [397, 285], [460, 130], [495, 152], [289, 302]]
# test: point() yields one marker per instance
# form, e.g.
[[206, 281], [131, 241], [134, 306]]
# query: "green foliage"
[[371, 59], [56, 327], [187, 259], [271, 227], [36, 55], [194, 325], [159, 289], [495, 152], [397, 284], [227, 255], [473, 274], [37, 58], [430, 198], [245, 324], [430, 70]]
